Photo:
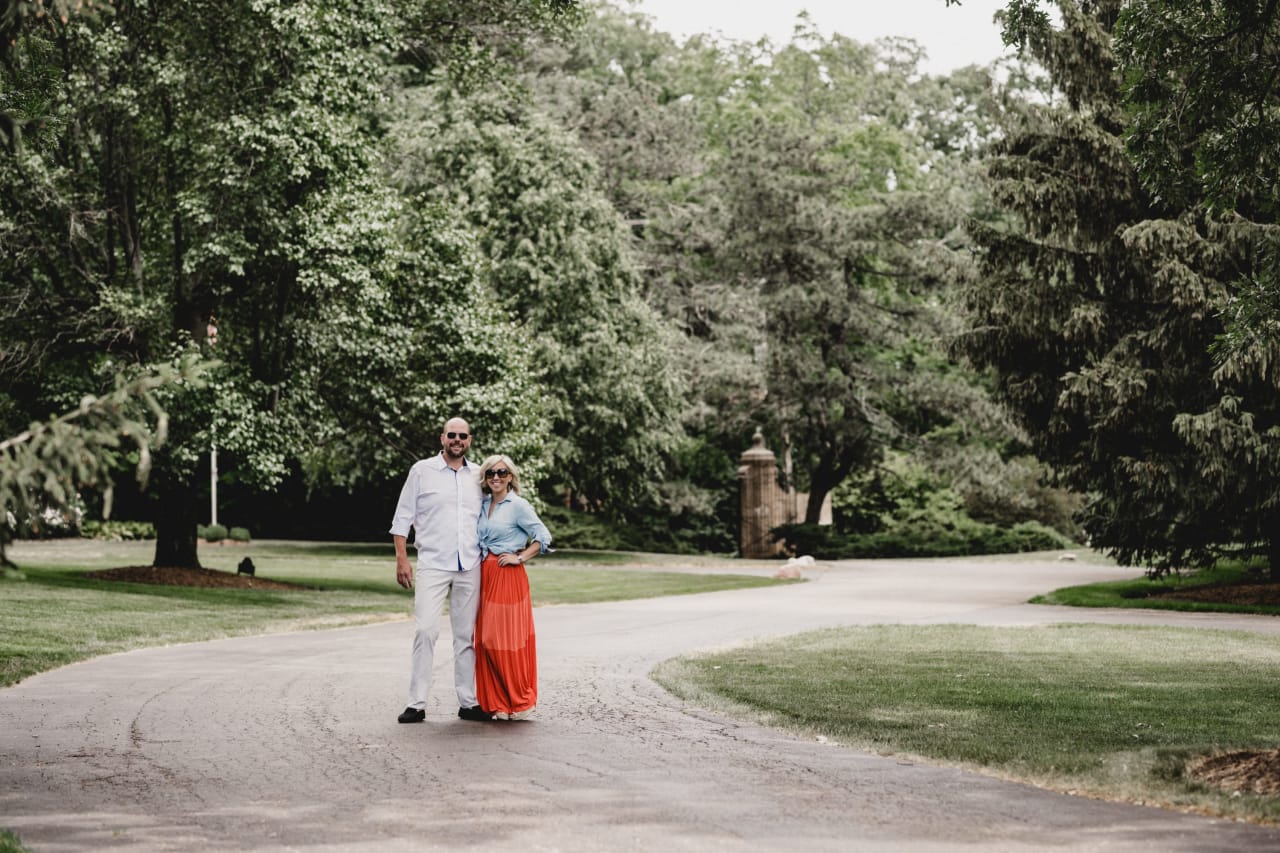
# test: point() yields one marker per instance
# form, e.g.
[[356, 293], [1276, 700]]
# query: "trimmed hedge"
[[918, 538], [211, 532]]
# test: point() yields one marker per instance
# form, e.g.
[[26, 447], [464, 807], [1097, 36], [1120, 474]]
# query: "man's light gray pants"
[[431, 587]]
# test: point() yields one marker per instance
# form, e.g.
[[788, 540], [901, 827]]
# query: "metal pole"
[[213, 485]]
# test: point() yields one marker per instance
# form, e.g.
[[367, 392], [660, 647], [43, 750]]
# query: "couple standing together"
[[473, 534]]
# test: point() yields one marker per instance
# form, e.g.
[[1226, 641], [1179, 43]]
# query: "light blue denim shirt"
[[511, 526]]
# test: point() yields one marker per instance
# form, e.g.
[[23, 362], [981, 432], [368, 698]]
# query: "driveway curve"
[[289, 742]]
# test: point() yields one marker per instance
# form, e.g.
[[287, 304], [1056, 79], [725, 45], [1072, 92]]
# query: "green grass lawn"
[[1139, 591], [9, 843], [1107, 711], [54, 615]]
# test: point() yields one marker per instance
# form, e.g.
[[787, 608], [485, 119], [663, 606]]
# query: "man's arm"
[[404, 568]]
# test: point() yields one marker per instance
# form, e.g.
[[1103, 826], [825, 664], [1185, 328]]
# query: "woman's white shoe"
[[520, 715]]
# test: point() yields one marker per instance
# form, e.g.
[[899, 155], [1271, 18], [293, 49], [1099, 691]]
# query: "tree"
[[175, 178], [45, 466], [623, 91], [424, 343], [558, 264], [1200, 85], [838, 214], [1097, 304], [719, 153]]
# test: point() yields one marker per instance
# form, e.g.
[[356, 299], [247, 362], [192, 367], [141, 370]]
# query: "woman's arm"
[[526, 521]]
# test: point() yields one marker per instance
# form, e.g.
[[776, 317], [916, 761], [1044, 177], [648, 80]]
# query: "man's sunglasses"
[[462, 435], [497, 474]]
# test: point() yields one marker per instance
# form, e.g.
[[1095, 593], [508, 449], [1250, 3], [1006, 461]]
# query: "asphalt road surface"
[[290, 742]]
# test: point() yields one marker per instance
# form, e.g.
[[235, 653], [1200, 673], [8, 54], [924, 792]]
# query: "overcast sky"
[[954, 36]]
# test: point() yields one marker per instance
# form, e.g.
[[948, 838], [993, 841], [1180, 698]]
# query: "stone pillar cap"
[[757, 451]]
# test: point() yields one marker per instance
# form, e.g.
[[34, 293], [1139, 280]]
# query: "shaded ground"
[[1241, 593], [209, 578]]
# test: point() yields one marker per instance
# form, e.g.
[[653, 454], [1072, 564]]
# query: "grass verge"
[[1140, 592], [53, 615], [1113, 712], [9, 843]]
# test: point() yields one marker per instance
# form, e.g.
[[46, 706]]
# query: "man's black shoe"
[[412, 715], [475, 713]]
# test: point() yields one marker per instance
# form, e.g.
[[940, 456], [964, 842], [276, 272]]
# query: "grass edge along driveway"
[[54, 615], [1111, 712]]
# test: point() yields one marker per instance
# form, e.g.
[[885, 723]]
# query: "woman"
[[510, 534]]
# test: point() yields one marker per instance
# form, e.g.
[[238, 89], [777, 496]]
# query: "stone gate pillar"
[[762, 500]]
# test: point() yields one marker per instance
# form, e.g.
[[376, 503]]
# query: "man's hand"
[[404, 572]]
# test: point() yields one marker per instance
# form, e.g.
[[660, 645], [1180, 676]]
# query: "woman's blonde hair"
[[494, 461]]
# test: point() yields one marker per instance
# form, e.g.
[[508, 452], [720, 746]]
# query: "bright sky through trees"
[[954, 36]]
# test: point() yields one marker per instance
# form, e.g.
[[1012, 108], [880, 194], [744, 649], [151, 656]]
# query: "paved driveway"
[[289, 742]]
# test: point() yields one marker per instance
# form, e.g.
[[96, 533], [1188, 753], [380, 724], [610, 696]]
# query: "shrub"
[[211, 532], [572, 529], [238, 534], [822, 542], [920, 537], [905, 510], [118, 531]]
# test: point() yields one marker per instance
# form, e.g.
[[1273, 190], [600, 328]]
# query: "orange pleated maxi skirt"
[[506, 653]]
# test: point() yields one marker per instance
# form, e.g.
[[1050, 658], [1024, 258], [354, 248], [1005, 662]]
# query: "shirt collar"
[[439, 461]]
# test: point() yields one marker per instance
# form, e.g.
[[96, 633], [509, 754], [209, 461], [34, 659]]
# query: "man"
[[441, 502]]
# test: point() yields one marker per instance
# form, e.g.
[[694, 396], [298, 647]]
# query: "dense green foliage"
[[796, 209], [177, 186], [927, 533], [1099, 303], [557, 264], [43, 468], [618, 255], [117, 531], [1200, 89]]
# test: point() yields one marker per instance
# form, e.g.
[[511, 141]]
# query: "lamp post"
[[211, 338], [213, 482]]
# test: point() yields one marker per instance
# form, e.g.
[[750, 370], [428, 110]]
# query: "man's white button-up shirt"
[[442, 506]]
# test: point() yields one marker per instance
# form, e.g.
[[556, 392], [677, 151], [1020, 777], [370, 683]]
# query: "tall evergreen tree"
[[1098, 304]]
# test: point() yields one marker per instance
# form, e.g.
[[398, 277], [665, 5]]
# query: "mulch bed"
[[1245, 593], [208, 578], [1249, 772]]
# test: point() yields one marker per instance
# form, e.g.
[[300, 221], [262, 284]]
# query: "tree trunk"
[[813, 508], [824, 477], [176, 528]]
